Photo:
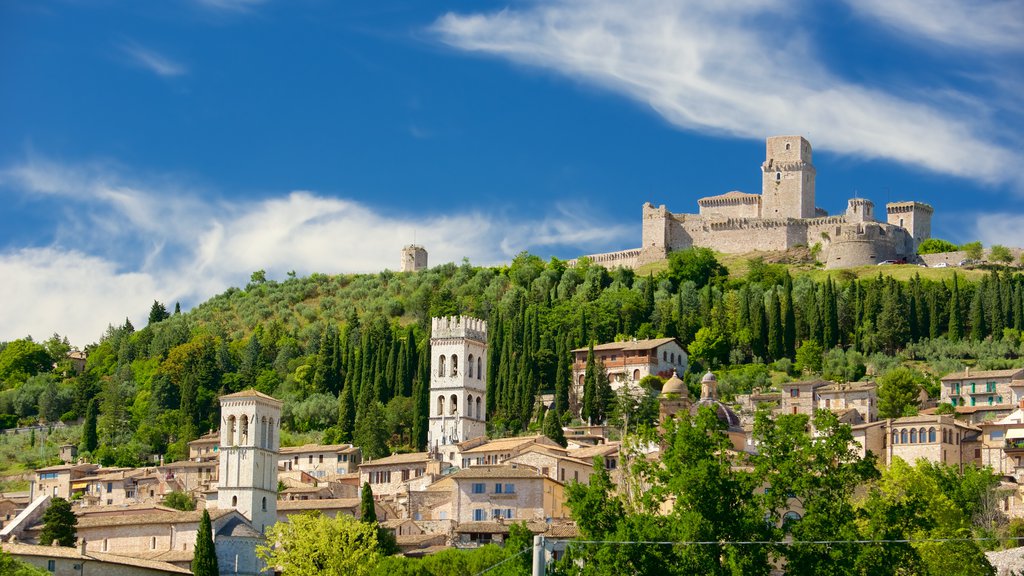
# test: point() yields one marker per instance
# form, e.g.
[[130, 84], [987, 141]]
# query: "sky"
[[166, 150]]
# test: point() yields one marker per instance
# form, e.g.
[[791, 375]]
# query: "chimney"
[[967, 372], [81, 546]]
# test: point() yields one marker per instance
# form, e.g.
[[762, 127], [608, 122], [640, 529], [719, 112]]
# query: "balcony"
[[1014, 447]]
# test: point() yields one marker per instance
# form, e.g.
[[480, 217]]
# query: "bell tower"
[[787, 178], [458, 381], [250, 425]]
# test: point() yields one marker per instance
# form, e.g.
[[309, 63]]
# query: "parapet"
[[458, 327], [898, 207]]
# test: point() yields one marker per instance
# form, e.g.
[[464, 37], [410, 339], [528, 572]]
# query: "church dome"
[[674, 386], [708, 378], [709, 397]]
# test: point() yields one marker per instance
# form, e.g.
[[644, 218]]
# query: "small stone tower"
[[458, 382], [914, 217], [860, 210], [674, 397], [414, 258], [250, 424], [787, 179]]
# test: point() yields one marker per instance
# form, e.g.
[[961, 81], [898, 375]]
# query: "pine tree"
[[776, 345], [89, 437], [347, 413], [157, 313], [589, 408], [553, 428], [367, 511], [204, 560], [58, 524], [978, 329], [788, 317]]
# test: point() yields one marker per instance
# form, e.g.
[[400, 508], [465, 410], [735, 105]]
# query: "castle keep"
[[781, 217]]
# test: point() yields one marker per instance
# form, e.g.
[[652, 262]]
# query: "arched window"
[[264, 503], [931, 434], [672, 358], [479, 413], [455, 365], [440, 365], [789, 517], [270, 433], [469, 366], [263, 432], [234, 501], [583, 378], [895, 437], [920, 435], [455, 405], [479, 369], [913, 436], [636, 374], [440, 405], [231, 431], [469, 405], [903, 436], [778, 176], [244, 430], [787, 146]]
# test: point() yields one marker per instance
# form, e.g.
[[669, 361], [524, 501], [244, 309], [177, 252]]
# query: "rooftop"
[[325, 504], [504, 444], [629, 345], [969, 374], [411, 458], [317, 448], [73, 553], [502, 471]]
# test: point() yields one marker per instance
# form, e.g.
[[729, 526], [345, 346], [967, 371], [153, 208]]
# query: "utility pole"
[[539, 556]]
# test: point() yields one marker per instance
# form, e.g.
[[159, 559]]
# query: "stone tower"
[[458, 382], [250, 424], [860, 210], [787, 179], [914, 217], [414, 258]]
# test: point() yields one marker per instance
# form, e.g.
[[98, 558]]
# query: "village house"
[[501, 449], [190, 476], [800, 397], [936, 438], [57, 480], [320, 460], [555, 463], [73, 561], [859, 396], [982, 387], [399, 473], [629, 362], [1002, 445], [206, 447], [117, 487]]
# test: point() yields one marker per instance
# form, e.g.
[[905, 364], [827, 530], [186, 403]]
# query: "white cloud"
[[748, 71], [127, 241], [153, 61], [988, 25], [1000, 228]]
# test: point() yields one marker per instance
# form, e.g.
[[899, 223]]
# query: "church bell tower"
[[250, 425], [458, 382]]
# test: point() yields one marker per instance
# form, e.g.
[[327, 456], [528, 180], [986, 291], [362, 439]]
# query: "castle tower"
[[458, 381], [414, 258], [860, 210], [787, 178], [250, 424], [914, 217]]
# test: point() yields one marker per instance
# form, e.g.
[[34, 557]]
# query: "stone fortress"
[[782, 216]]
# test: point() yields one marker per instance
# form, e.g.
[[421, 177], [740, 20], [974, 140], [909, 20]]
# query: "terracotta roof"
[[599, 450], [62, 467], [317, 448], [849, 387], [325, 504], [411, 458], [629, 345], [250, 393], [537, 527], [504, 444], [97, 521], [814, 383], [971, 374], [502, 471], [563, 531], [73, 553]]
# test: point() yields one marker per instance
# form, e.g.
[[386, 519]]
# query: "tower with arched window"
[[250, 425], [458, 381]]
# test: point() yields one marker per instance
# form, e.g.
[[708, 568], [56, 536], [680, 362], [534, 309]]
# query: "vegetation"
[[11, 566], [58, 524], [313, 545], [936, 246], [179, 501], [204, 561]]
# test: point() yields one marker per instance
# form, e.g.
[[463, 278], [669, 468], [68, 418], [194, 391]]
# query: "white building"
[[458, 383], [249, 438]]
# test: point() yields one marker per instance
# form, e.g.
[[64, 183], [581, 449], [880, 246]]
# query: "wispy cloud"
[[1000, 228], [996, 25], [729, 69], [129, 240], [153, 61], [231, 5]]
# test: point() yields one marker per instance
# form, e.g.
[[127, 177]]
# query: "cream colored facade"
[[1002, 445], [249, 439], [936, 438], [506, 492], [66, 561], [57, 480], [982, 387], [399, 473], [859, 396], [458, 384], [629, 362], [320, 460], [800, 397]]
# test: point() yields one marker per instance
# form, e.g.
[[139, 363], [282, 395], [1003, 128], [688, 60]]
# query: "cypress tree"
[[204, 561], [830, 322], [776, 346], [589, 408], [978, 315], [956, 319], [89, 437], [553, 428], [563, 377], [788, 317], [367, 511], [347, 413], [58, 523]]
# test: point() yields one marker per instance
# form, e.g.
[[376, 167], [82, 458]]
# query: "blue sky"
[[165, 150]]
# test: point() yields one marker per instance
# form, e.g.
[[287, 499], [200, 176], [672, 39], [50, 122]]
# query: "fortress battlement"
[[458, 327]]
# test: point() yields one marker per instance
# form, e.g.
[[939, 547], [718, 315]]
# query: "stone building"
[[936, 438], [508, 492], [321, 460], [801, 397], [841, 397], [458, 383], [782, 216], [249, 437], [414, 258], [982, 387], [629, 362]]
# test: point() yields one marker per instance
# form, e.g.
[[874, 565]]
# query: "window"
[[440, 405], [990, 399], [895, 437], [321, 459], [479, 515], [152, 543], [778, 176], [664, 356], [931, 435], [310, 458], [990, 387], [636, 374], [497, 488], [234, 502], [510, 488], [51, 565], [794, 392], [469, 366], [479, 488], [479, 372], [455, 365], [973, 399], [441, 365], [264, 503], [903, 436], [913, 436], [110, 487], [455, 404]]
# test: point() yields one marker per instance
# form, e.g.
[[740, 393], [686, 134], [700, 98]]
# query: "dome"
[[724, 413], [708, 378], [674, 386]]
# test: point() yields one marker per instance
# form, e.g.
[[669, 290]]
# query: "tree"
[[179, 501], [935, 246], [89, 438], [1000, 253], [898, 392], [553, 427], [21, 359], [370, 433], [367, 511], [314, 545], [973, 250], [59, 524], [204, 561], [710, 347], [697, 265], [810, 357], [157, 313], [10, 566]]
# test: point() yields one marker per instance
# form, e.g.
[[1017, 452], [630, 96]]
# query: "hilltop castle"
[[781, 217]]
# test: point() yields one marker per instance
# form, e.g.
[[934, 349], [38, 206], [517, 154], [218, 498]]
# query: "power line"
[[513, 557], [778, 542]]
